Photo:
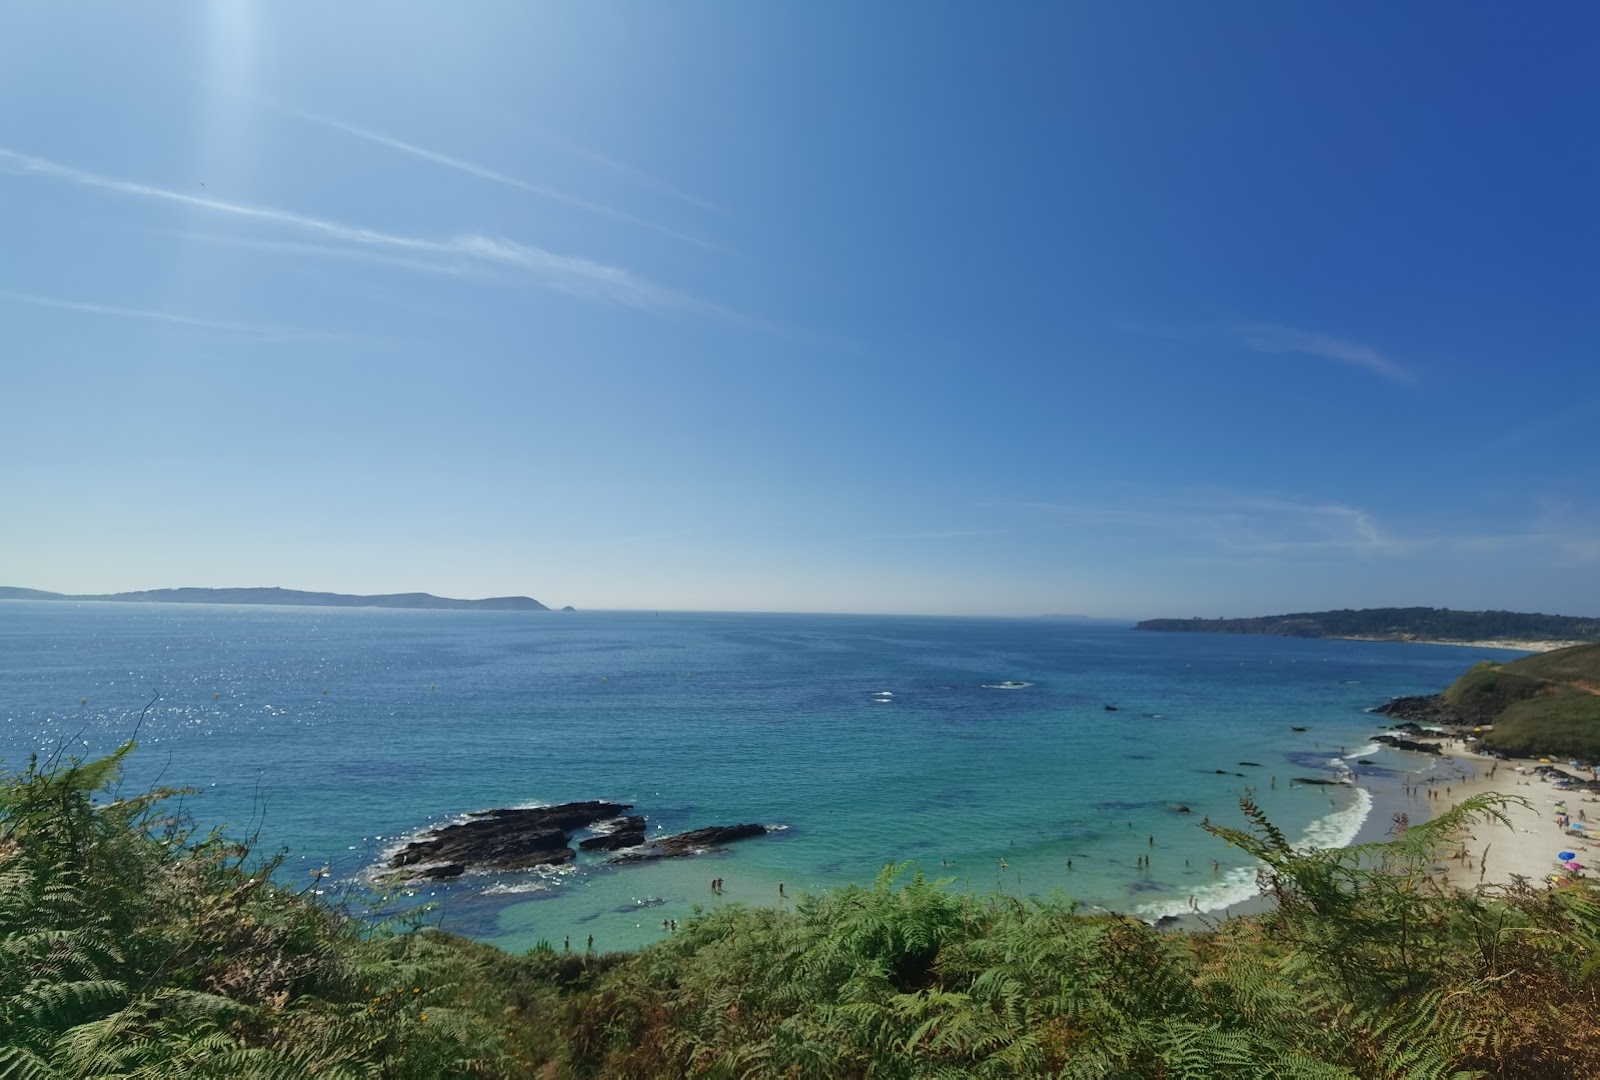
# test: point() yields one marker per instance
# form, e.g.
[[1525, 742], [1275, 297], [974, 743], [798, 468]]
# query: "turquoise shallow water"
[[871, 739]]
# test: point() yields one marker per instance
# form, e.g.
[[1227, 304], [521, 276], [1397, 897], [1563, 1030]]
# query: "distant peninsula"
[[1440, 625], [290, 598]]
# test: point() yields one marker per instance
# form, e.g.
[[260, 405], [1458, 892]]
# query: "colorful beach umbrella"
[[1567, 855]]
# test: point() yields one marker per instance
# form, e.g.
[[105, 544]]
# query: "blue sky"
[[1156, 309]]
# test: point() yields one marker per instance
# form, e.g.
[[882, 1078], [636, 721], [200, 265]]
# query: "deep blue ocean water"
[[336, 733]]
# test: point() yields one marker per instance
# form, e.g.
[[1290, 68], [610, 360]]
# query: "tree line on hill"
[[1441, 624]]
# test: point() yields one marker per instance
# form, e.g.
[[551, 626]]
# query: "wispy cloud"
[[1267, 338], [493, 176], [1542, 428], [1244, 525], [326, 251], [158, 316], [639, 176], [564, 272], [512, 120], [936, 534]]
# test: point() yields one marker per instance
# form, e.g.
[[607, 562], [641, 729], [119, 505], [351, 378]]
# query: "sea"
[[1041, 758]]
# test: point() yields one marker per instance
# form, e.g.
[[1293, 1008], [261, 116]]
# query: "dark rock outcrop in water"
[[506, 839], [694, 842], [1417, 707], [625, 832], [1319, 781], [1407, 744], [519, 839]]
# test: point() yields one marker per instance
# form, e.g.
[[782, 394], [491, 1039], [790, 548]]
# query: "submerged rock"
[[622, 833], [694, 842]]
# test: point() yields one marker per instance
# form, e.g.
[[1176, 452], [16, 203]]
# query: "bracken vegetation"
[[129, 946]]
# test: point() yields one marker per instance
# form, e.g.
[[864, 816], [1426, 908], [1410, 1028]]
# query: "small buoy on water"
[[83, 701], [324, 691], [433, 686], [215, 697]]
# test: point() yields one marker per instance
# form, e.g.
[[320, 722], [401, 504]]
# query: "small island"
[[288, 598]]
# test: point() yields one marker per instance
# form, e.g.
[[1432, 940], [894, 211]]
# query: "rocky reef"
[[694, 842], [1407, 744], [523, 838]]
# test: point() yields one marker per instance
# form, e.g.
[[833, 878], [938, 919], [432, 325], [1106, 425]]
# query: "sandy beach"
[[1491, 853], [1492, 643]]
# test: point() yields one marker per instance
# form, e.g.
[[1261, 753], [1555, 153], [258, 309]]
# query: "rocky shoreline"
[[522, 838], [1429, 720]]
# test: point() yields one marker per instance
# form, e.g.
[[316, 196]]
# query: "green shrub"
[[131, 947]]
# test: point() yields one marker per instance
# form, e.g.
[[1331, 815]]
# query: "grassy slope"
[[1579, 663], [1541, 704]]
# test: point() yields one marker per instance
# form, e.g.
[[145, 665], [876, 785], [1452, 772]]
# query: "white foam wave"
[[1363, 751], [1009, 684], [1335, 830], [1234, 887], [514, 888], [1340, 828]]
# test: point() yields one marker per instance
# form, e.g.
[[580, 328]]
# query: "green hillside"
[[1580, 663], [1546, 704]]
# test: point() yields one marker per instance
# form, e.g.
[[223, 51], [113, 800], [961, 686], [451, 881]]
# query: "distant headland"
[[290, 598], [1441, 626]]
